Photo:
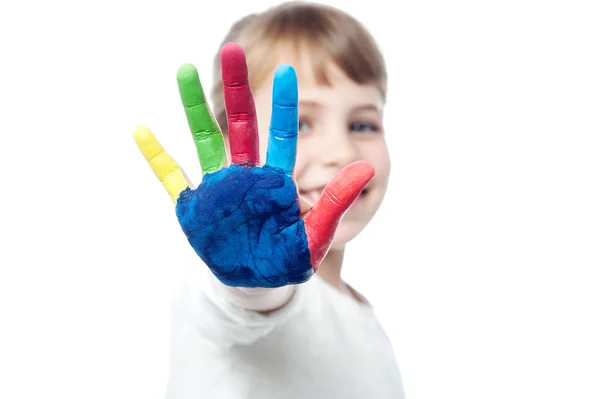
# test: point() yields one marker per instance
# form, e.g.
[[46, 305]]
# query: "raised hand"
[[244, 220]]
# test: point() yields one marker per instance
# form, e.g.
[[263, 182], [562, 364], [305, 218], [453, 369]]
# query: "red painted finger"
[[239, 104], [324, 217]]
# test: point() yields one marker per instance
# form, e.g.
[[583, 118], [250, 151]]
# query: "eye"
[[303, 126], [363, 127]]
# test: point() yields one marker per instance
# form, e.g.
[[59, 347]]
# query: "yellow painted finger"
[[165, 168]]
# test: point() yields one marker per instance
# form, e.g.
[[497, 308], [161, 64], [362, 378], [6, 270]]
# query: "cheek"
[[304, 154], [376, 152]]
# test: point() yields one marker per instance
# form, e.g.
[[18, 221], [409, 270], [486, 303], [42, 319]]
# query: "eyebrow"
[[360, 107], [367, 107], [311, 104]]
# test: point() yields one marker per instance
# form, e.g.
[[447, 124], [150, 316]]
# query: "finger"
[[324, 217], [204, 128], [165, 168], [242, 125], [283, 132]]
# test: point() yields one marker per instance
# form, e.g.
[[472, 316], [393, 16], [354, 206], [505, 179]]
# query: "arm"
[[226, 316], [262, 300]]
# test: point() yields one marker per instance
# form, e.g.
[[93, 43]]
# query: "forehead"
[[334, 87], [320, 80], [341, 90]]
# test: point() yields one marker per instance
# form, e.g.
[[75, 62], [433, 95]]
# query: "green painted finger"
[[204, 128]]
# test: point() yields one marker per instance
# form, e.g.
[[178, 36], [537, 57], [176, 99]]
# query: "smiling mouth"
[[313, 195]]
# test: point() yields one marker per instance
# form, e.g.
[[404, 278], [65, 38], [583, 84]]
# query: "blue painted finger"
[[283, 132]]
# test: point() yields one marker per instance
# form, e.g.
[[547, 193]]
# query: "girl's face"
[[338, 124]]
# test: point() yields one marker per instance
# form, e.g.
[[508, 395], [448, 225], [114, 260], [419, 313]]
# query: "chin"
[[356, 219], [346, 232]]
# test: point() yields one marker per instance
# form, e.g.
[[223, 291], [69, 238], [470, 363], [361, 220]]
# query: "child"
[[254, 322]]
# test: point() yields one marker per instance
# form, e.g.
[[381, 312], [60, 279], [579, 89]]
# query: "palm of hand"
[[245, 224]]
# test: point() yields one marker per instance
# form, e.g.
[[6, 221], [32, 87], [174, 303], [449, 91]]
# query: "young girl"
[[253, 321]]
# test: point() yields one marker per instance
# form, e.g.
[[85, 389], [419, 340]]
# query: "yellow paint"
[[164, 167]]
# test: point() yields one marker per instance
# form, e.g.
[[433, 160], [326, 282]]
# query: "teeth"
[[311, 196]]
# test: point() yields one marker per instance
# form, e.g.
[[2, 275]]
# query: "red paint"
[[242, 125], [324, 217]]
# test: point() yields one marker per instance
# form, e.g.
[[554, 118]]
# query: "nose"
[[338, 150]]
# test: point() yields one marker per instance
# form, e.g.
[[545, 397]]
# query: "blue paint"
[[244, 223], [283, 131]]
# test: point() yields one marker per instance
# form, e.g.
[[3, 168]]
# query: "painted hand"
[[244, 220]]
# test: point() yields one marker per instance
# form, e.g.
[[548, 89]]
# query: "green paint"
[[204, 128]]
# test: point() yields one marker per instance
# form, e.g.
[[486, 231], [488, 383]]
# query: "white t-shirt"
[[321, 344]]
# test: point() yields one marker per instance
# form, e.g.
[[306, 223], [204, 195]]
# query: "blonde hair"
[[328, 33]]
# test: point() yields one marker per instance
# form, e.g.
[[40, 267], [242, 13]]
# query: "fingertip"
[[190, 88], [234, 70], [368, 168], [146, 142], [358, 171], [285, 85], [285, 69], [140, 132], [186, 71], [231, 48]]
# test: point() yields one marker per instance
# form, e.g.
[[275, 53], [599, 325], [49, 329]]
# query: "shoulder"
[[349, 299], [357, 296]]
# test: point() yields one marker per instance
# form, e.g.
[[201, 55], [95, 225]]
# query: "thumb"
[[324, 217]]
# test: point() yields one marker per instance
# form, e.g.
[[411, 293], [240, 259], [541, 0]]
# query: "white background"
[[482, 264]]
